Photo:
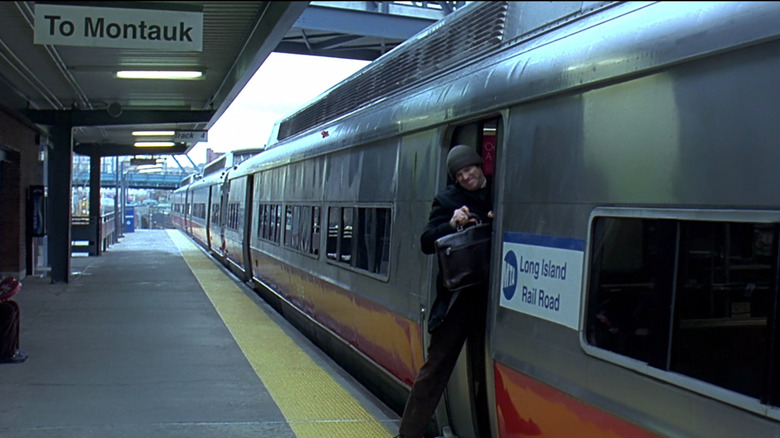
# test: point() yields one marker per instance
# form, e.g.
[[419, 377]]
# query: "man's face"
[[470, 178]]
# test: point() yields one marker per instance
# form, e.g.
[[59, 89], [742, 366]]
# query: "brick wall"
[[20, 169]]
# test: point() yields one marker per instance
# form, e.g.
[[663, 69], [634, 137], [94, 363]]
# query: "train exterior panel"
[[354, 284], [198, 200], [647, 141], [179, 201], [217, 243], [527, 407], [215, 211], [634, 281], [393, 342], [234, 223]]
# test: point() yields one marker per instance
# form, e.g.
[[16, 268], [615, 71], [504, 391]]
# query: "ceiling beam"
[[113, 149], [127, 117], [363, 23]]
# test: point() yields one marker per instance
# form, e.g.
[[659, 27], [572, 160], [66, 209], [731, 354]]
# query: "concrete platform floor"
[[132, 346]]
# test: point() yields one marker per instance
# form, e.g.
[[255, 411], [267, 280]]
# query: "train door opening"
[[223, 216], [466, 396]]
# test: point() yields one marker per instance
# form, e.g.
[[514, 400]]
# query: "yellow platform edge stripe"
[[313, 403]]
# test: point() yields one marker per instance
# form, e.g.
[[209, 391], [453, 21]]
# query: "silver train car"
[[632, 149], [199, 207]]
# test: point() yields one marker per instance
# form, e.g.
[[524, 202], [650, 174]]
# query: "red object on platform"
[[8, 288]]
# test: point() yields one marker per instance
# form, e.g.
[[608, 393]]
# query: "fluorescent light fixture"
[[154, 133], [154, 144], [159, 74]]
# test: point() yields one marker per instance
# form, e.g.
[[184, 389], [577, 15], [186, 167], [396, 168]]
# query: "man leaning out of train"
[[449, 324]]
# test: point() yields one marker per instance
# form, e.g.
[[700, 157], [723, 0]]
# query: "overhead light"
[[154, 144], [159, 74], [154, 133]]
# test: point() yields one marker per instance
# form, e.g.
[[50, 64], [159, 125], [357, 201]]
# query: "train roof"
[[230, 159], [506, 61]]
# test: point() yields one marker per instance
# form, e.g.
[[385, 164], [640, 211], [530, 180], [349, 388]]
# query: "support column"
[[119, 219], [60, 197], [95, 209]]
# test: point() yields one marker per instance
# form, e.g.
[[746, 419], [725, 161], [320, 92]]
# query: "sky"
[[281, 86]]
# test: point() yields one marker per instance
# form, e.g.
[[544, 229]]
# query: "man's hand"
[[461, 217]]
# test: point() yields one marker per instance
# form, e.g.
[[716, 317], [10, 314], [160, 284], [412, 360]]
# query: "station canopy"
[[97, 66]]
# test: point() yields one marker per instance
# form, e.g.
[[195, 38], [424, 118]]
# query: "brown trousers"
[[466, 317], [9, 328]]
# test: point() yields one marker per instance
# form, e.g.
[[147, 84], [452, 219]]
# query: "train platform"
[[156, 339]]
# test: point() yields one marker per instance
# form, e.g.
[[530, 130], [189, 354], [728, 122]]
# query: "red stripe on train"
[[529, 408]]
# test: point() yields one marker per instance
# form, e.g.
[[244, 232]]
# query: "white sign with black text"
[[542, 276], [191, 136], [131, 28]]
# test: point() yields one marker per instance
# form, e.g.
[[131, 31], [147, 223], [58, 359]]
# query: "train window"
[[233, 216], [215, 213], [360, 237], [373, 231], [276, 223], [334, 227], [290, 228], [302, 228], [305, 229], [315, 231], [199, 210], [301, 239], [688, 296], [345, 244], [269, 222], [240, 216], [263, 221]]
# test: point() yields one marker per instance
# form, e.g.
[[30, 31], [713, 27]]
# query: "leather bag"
[[464, 256]]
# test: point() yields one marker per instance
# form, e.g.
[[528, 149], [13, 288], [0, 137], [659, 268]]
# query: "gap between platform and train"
[[312, 402]]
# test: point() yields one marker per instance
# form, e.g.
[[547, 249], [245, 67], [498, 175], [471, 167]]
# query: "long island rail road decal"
[[542, 276]]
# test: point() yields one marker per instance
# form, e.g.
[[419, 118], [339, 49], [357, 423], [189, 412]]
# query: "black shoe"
[[18, 357]]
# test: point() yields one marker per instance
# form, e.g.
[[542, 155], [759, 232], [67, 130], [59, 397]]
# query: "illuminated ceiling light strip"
[[158, 74], [154, 133], [154, 144]]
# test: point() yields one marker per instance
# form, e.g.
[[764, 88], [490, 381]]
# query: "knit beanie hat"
[[461, 156]]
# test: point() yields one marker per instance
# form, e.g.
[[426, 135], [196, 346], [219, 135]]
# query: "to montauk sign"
[[130, 28]]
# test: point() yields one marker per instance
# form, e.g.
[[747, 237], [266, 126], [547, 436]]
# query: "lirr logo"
[[509, 285]]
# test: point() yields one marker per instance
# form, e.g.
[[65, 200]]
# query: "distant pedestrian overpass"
[[169, 180]]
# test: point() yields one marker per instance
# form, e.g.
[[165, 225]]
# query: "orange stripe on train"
[[529, 408]]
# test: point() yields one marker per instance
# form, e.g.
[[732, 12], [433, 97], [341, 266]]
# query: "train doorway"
[[465, 407]]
